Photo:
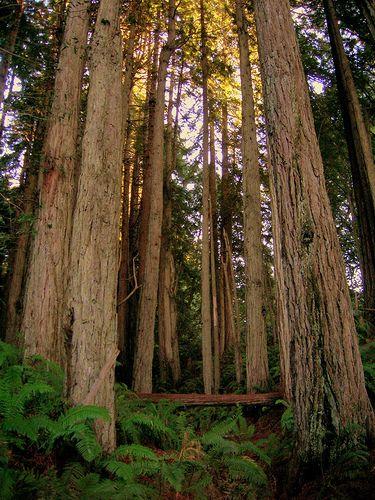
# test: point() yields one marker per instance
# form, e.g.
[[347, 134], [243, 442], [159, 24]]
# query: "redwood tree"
[[92, 332], [44, 308], [325, 383]]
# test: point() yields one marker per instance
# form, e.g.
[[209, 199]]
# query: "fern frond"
[[81, 413], [136, 451]]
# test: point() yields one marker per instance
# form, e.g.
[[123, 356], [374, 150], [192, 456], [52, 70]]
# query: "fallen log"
[[214, 399]]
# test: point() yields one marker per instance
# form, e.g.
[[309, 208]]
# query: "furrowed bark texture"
[[42, 323], [208, 375], [361, 161], [18, 265], [326, 376], [95, 246], [256, 339], [143, 359]]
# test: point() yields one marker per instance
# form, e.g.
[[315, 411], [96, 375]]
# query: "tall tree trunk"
[[361, 160], [368, 9], [7, 54], [42, 323], [214, 258], [94, 248], [147, 147], [122, 290], [169, 356], [143, 359], [208, 374], [256, 339], [18, 262], [326, 379]]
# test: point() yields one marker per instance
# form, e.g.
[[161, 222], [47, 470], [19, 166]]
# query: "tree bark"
[[361, 161], [95, 247], [128, 80], [147, 147], [44, 308], [256, 339], [143, 359], [326, 379], [208, 374], [18, 262], [368, 9], [169, 357]]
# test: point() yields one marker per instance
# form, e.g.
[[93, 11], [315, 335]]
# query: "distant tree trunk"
[[147, 146], [128, 79], [169, 356], [7, 54], [368, 9], [361, 160], [208, 374], [230, 320], [94, 247], [256, 339], [214, 259], [44, 307], [326, 379], [143, 359]]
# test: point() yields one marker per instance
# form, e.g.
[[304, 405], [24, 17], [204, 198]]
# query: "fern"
[[246, 469]]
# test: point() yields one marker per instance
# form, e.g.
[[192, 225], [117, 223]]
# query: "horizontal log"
[[214, 399]]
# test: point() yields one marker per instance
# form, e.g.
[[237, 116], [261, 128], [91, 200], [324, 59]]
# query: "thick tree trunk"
[[44, 308], [361, 161], [7, 54], [256, 338], [94, 248], [326, 377], [18, 264], [208, 374], [143, 359]]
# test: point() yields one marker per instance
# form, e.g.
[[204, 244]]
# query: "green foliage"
[[368, 361], [287, 419]]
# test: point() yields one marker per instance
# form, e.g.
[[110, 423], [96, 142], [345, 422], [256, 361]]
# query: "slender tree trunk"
[[256, 338], [208, 374], [368, 9], [214, 259], [361, 160], [128, 79], [326, 379], [147, 144], [94, 248], [169, 356], [44, 308], [7, 54], [143, 359]]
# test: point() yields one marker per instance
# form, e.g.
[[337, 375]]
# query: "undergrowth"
[[49, 450]]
